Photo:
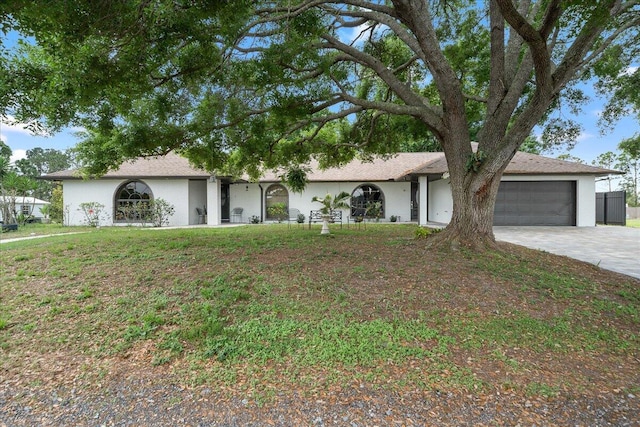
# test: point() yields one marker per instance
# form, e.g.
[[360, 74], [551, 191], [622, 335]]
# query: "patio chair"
[[293, 216], [201, 214], [236, 215]]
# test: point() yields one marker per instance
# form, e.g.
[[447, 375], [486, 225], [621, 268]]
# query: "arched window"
[[367, 200], [277, 199], [132, 202]]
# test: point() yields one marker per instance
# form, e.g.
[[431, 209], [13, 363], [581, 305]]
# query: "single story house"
[[535, 190], [28, 206]]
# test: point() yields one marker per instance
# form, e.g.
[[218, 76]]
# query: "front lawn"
[[261, 310], [633, 223], [36, 229]]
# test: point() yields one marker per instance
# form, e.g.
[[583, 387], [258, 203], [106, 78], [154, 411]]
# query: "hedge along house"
[[535, 190]]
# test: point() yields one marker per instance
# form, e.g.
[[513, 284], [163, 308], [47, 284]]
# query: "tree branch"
[[497, 86], [413, 100]]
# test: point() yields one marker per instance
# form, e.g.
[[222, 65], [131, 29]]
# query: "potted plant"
[[331, 203]]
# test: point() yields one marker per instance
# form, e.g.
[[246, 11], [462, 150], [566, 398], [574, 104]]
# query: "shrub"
[[424, 232], [278, 211], [93, 213], [160, 211], [300, 219], [374, 210], [56, 210]]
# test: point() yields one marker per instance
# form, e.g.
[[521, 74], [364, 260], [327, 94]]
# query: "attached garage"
[[536, 203]]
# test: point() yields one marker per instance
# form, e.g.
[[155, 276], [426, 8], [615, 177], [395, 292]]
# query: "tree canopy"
[[240, 86], [629, 162]]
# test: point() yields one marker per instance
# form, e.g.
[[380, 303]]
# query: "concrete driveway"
[[612, 248]]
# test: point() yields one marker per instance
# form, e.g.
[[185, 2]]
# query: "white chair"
[[293, 216], [236, 215], [201, 216]]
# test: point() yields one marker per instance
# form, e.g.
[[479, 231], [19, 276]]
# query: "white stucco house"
[[535, 190], [29, 206]]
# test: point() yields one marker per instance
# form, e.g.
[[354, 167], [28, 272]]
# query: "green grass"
[[288, 306], [35, 229], [633, 223]]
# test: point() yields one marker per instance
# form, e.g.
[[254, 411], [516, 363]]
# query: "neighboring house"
[[29, 206], [535, 190]]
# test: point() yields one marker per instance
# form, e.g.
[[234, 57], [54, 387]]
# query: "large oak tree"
[[244, 85]]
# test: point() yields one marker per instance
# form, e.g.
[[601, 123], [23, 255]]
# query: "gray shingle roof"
[[528, 164], [390, 169], [168, 166], [395, 168]]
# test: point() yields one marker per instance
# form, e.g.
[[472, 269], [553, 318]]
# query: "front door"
[[224, 202], [415, 200]]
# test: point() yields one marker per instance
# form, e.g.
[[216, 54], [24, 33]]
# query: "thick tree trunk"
[[471, 224]]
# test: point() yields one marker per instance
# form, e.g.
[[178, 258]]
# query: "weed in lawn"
[[160, 301], [201, 321], [630, 311], [171, 342], [85, 293], [136, 332], [633, 296], [160, 360], [46, 300], [499, 355], [541, 389]]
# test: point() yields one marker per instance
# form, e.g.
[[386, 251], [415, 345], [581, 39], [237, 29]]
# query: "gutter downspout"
[[261, 203]]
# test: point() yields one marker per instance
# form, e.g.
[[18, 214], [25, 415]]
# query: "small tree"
[[160, 211], [629, 162], [45, 211], [9, 189], [56, 210], [607, 161]]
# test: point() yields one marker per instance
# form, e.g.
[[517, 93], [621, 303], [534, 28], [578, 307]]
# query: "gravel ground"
[[136, 402]]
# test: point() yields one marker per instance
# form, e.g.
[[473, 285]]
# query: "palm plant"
[[331, 203]]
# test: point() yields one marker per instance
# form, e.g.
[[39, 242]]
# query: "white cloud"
[[584, 136], [17, 155], [629, 71], [9, 124]]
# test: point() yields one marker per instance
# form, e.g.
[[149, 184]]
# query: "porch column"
[[214, 214], [423, 199]]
